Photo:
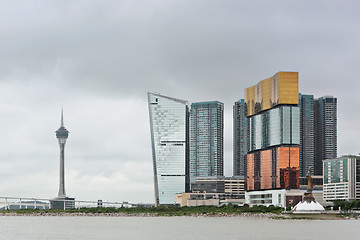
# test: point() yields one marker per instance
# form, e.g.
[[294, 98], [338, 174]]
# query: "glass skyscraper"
[[277, 126], [240, 138], [318, 132], [169, 128], [325, 130], [206, 139], [307, 133]]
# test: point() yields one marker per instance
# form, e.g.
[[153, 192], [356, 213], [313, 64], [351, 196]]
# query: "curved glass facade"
[[274, 127], [169, 127]]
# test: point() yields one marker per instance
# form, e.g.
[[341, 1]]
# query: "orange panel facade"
[[269, 169], [250, 171], [289, 178], [266, 169]]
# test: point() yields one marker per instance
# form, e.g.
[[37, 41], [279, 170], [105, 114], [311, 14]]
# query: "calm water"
[[174, 228]]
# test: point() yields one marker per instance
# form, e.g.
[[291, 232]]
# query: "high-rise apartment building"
[[307, 133], [318, 134], [206, 139], [274, 133], [169, 128], [325, 130], [240, 136]]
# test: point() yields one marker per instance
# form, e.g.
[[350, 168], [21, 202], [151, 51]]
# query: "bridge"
[[15, 203]]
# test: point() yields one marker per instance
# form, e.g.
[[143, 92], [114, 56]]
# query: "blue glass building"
[[240, 138], [325, 131], [318, 127], [307, 134], [206, 139], [275, 127], [169, 128]]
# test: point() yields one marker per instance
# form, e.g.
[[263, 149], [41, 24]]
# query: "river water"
[[174, 228]]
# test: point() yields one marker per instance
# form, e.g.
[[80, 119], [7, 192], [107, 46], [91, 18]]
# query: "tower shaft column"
[[62, 171]]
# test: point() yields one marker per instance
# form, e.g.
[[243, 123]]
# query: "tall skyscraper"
[[62, 201], [307, 133], [325, 130], [318, 132], [274, 133], [169, 126], [240, 142], [206, 139]]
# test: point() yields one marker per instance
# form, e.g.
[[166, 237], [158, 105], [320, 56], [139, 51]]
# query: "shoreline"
[[274, 216], [80, 214]]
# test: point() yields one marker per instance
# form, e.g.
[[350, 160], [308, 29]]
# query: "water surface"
[[151, 228]]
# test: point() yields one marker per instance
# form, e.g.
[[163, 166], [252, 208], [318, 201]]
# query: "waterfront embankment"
[[208, 211], [82, 214], [174, 211]]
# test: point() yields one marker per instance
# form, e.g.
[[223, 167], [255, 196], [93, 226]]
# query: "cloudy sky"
[[98, 59]]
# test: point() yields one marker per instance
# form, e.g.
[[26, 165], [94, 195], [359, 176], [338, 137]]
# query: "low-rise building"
[[230, 187], [276, 197], [342, 178], [205, 199]]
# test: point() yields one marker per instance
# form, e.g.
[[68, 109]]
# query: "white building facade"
[[342, 178]]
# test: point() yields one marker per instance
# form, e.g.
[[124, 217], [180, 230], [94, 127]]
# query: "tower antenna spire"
[[62, 117]]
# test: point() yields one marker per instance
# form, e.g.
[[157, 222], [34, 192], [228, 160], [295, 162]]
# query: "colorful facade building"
[[273, 116]]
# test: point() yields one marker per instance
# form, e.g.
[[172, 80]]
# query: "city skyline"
[[99, 60]]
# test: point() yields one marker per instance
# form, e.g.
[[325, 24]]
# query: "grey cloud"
[[98, 59]]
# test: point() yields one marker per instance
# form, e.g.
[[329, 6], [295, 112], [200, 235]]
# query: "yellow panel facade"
[[266, 87], [250, 96], [282, 88], [289, 88]]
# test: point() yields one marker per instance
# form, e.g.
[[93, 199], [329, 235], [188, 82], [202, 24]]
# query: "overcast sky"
[[98, 59]]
